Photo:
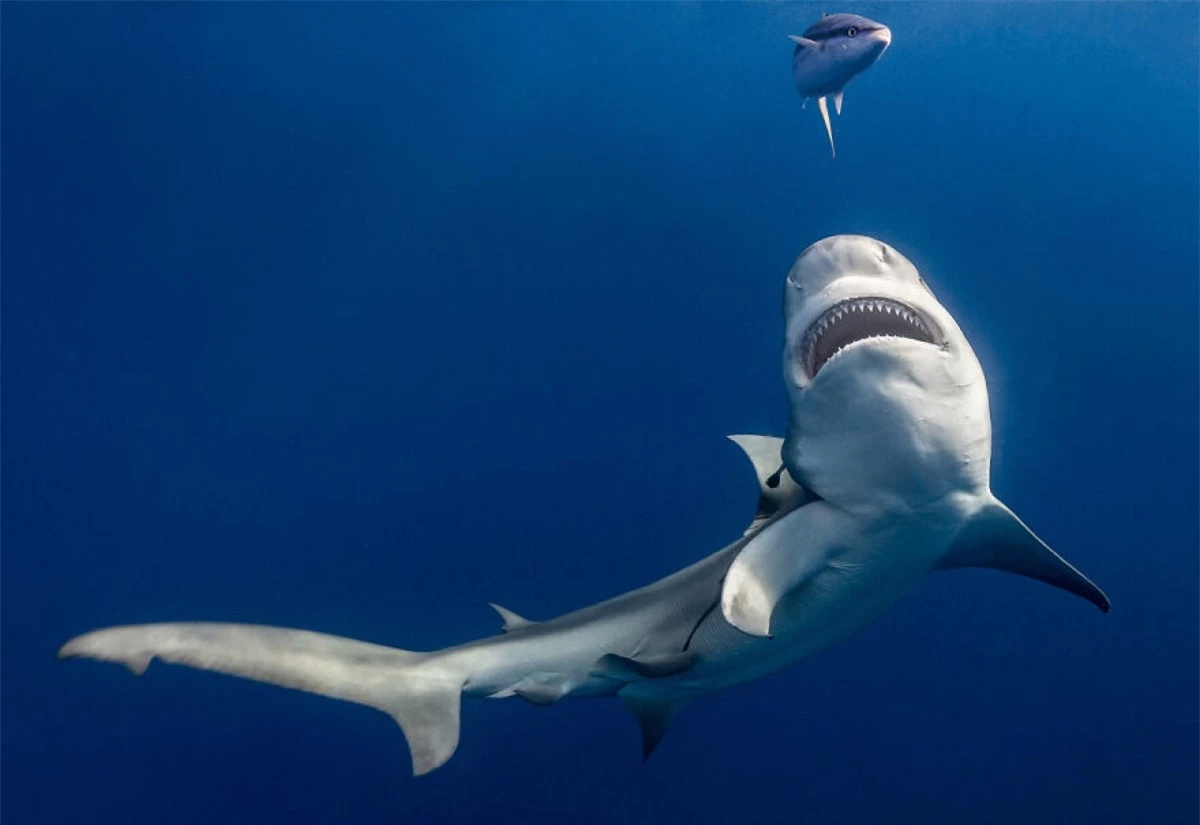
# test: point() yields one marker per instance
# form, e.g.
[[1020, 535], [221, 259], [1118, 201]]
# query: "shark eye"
[[852, 31]]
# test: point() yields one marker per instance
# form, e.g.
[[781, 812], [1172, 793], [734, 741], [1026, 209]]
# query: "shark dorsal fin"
[[994, 537], [776, 488], [511, 620], [653, 714]]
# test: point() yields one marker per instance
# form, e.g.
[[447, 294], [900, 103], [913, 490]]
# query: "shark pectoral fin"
[[654, 715], [996, 538], [837, 102], [828, 126], [511, 620], [625, 669], [785, 554], [776, 488]]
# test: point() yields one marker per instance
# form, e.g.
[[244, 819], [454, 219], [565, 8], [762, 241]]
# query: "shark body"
[[884, 478]]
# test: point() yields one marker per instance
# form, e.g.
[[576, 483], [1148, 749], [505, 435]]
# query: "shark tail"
[[415, 689]]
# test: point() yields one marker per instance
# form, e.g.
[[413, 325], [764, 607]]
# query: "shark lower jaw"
[[859, 319]]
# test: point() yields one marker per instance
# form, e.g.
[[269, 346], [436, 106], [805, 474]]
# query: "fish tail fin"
[[415, 689], [824, 107]]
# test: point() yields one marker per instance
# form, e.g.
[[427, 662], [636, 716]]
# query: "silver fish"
[[832, 52]]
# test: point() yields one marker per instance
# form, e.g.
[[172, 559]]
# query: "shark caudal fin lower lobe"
[[422, 698]]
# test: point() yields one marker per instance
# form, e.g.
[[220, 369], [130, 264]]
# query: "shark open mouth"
[[857, 319]]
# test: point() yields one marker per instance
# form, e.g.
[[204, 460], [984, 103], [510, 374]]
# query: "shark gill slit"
[[707, 612]]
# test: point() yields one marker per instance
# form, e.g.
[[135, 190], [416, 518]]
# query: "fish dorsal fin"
[[837, 102], [511, 620], [653, 714], [777, 490], [824, 14], [821, 105], [994, 537]]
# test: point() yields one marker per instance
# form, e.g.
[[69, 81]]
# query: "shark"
[[881, 479], [832, 52]]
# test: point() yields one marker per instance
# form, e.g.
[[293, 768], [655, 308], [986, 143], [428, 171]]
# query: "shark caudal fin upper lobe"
[[422, 697]]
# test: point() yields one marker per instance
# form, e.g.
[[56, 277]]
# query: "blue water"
[[357, 317]]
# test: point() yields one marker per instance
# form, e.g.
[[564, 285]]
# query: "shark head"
[[888, 403], [835, 50]]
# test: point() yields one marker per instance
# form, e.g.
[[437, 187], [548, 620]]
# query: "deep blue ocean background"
[[358, 317]]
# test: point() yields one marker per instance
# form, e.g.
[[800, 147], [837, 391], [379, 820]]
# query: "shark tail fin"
[[996, 538], [421, 696]]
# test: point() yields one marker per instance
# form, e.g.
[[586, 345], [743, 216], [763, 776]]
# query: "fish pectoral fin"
[[994, 537], [626, 669], [511, 620], [803, 42], [782, 556], [828, 126], [837, 102], [653, 714]]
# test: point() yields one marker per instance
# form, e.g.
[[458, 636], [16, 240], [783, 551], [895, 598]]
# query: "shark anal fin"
[[542, 688], [837, 102], [828, 126], [996, 538], [625, 669], [653, 714], [511, 620]]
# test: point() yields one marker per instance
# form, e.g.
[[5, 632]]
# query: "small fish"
[[835, 50]]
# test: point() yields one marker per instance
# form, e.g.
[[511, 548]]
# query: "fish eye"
[[852, 31]]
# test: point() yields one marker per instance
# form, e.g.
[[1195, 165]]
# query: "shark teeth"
[[857, 319]]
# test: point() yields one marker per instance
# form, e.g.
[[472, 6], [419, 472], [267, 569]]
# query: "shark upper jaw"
[[858, 320]]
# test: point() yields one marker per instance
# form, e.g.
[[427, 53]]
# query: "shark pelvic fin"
[[996, 538], [511, 620], [837, 102], [653, 714], [828, 126], [780, 558], [776, 489], [625, 669]]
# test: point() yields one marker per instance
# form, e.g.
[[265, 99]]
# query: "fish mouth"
[[857, 319]]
